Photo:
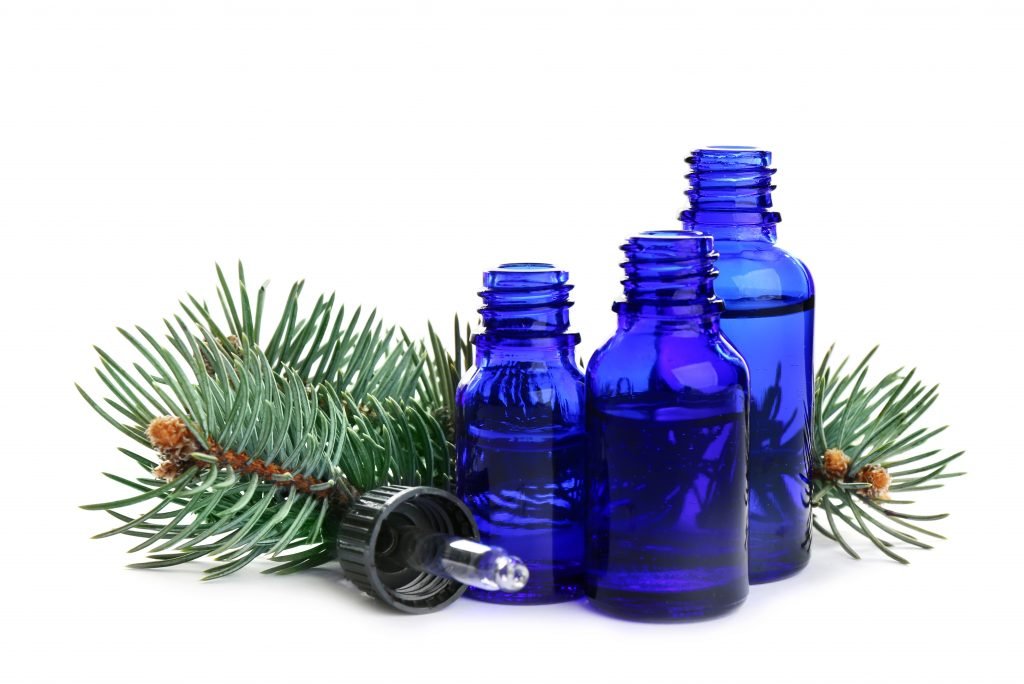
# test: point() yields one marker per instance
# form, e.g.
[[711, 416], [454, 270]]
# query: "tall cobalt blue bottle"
[[667, 427], [769, 317], [521, 443]]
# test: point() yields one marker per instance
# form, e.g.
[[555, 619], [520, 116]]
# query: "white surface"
[[392, 151]]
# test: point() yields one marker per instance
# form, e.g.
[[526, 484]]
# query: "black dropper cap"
[[367, 544]]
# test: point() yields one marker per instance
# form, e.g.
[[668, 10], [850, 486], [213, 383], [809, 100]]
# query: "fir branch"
[[356, 355], [257, 448], [862, 435]]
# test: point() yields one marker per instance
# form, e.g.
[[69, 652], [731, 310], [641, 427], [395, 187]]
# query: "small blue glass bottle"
[[520, 434], [769, 318], [667, 402]]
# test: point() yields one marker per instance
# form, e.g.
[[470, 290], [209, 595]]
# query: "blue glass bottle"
[[769, 317], [667, 401], [521, 442]]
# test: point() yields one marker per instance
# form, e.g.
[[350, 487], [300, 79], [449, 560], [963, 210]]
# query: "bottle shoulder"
[[642, 362], [549, 368], [533, 383], [760, 270]]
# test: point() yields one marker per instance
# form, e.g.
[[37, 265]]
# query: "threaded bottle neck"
[[525, 305], [670, 274], [731, 193]]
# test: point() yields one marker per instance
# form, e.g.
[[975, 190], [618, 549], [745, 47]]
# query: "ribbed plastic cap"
[[375, 572]]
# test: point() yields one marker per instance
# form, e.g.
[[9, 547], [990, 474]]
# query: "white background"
[[391, 151]]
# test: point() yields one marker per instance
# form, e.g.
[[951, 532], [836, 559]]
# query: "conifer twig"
[[257, 445], [865, 448]]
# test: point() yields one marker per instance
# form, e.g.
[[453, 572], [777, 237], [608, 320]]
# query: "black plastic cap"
[[401, 587]]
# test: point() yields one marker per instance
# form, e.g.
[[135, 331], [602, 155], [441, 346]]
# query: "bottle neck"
[[669, 285], [675, 321], [491, 349], [525, 314], [731, 194]]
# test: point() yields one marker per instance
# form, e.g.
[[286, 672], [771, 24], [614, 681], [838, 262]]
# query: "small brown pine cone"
[[836, 464], [879, 479], [170, 436], [168, 470]]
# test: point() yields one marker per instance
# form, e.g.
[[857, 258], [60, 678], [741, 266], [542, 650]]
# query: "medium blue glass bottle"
[[667, 402], [769, 317], [521, 442]]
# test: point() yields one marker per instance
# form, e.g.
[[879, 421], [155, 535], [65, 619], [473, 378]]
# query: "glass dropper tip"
[[467, 561], [511, 573]]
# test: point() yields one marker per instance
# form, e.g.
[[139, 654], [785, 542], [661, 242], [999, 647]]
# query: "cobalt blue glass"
[[520, 434], [769, 318], [667, 429]]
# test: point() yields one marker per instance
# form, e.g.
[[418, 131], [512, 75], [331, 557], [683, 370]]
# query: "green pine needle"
[[867, 435], [339, 399]]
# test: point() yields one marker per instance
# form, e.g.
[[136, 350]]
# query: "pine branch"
[[862, 435], [255, 448], [356, 355]]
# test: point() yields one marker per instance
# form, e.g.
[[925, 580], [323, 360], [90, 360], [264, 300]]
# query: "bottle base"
[[644, 606], [628, 610]]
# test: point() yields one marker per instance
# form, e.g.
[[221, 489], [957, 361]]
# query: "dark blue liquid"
[[667, 509], [526, 493], [775, 341]]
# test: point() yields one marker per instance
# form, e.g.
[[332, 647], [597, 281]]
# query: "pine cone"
[[168, 470], [836, 464], [170, 436], [879, 479]]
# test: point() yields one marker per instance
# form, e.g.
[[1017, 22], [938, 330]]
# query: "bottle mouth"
[[526, 299], [670, 268], [524, 275], [731, 189], [527, 266], [729, 157], [668, 234], [670, 245]]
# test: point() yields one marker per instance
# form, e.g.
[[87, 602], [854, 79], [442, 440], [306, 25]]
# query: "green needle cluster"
[[868, 446], [285, 433]]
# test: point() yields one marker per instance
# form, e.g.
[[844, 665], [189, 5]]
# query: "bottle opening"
[[670, 234], [731, 193], [526, 299], [670, 269], [729, 158], [527, 266]]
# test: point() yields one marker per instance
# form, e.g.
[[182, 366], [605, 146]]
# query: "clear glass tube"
[[457, 558]]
